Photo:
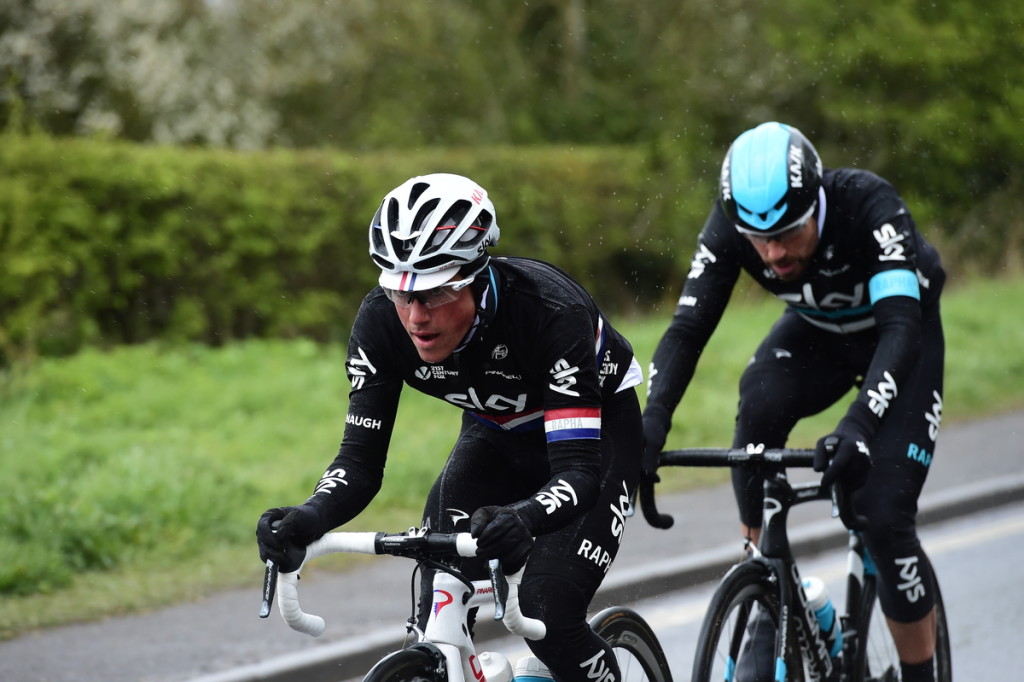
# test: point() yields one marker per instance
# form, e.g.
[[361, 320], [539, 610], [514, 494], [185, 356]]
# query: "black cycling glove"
[[655, 433], [502, 535], [844, 457], [282, 534]]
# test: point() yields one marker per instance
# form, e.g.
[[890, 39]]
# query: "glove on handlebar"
[[502, 535], [282, 534], [843, 457], [655, 434]]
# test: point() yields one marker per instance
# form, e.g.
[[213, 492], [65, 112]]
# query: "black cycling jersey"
[[870, 261], [541, 358]]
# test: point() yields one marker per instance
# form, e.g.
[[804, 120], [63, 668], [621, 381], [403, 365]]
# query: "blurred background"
[[160, 150], [186, 188]]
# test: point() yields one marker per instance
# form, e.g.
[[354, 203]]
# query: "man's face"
[[437, 330], [788, 253]]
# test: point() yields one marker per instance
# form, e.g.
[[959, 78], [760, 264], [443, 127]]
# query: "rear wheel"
[[420, 662], [737, 640], [637, 650]]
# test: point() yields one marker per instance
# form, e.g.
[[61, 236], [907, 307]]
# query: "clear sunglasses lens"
[[399, 298], [439, 296], [431, 298]]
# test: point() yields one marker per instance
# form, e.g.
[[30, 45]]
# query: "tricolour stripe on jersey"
[[572, 422]]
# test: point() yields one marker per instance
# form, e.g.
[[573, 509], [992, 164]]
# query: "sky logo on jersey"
[[934, 417], [880, 397], [564, 378], [331, 479], [889, 240], [572, 422], [701, 258], [597, 668], [359, 368]]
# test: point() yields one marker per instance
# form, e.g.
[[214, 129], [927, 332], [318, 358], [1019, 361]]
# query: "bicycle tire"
[[636, 647], [734, 635], [418, 663], [877, 660], [943, 652]]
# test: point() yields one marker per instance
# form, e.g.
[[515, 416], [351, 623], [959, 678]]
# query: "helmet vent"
[[478, 229], [392, 221], [415, 192], [423, 221]]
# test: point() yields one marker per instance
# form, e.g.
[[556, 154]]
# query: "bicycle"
[[769, 578], [443, 650]]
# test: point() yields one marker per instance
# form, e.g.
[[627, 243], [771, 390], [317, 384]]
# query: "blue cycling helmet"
[[770, 180]]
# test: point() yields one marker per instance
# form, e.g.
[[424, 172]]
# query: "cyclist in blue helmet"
[[861, 287]]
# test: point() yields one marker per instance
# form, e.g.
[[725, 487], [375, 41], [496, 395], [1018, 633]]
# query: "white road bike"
[[443, 650]]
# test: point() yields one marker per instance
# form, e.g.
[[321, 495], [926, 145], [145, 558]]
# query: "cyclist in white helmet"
[[545, 463], [861, 287]]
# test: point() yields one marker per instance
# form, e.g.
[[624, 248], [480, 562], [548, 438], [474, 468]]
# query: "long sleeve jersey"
[[871, 269], [541, 359]]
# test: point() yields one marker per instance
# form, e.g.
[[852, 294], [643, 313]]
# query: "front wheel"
[[943, 655], [420, 663], [637, 650], [877, 660], [737, 640]]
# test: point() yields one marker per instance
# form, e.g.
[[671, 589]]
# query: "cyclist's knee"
[[906, 581], [553, 598], [569, 648]]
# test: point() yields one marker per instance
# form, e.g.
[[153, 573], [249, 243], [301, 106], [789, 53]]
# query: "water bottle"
[[817, 599], [530, 669], [495, 666]]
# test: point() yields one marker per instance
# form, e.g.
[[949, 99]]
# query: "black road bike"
[[762, 597]]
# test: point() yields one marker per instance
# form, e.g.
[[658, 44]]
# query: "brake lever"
[[500, 585], [269, 587]]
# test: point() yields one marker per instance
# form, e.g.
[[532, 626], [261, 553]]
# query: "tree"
[[143, 71]]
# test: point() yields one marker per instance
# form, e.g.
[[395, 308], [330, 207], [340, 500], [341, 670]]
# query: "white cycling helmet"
[[430, 227]]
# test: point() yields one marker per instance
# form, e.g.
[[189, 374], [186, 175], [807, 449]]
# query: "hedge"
[[105, 243]]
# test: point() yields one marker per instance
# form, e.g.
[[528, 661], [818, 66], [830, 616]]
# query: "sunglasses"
[[429, 298], [784, 236]]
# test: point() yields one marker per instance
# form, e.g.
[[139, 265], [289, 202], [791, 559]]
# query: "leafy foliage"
[[927, 94], [107, 243]]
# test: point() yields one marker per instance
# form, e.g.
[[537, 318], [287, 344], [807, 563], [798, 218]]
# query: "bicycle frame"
[[775, 551], [446, 626]]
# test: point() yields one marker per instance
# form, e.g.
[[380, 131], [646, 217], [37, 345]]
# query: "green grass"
[[133, 478]]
